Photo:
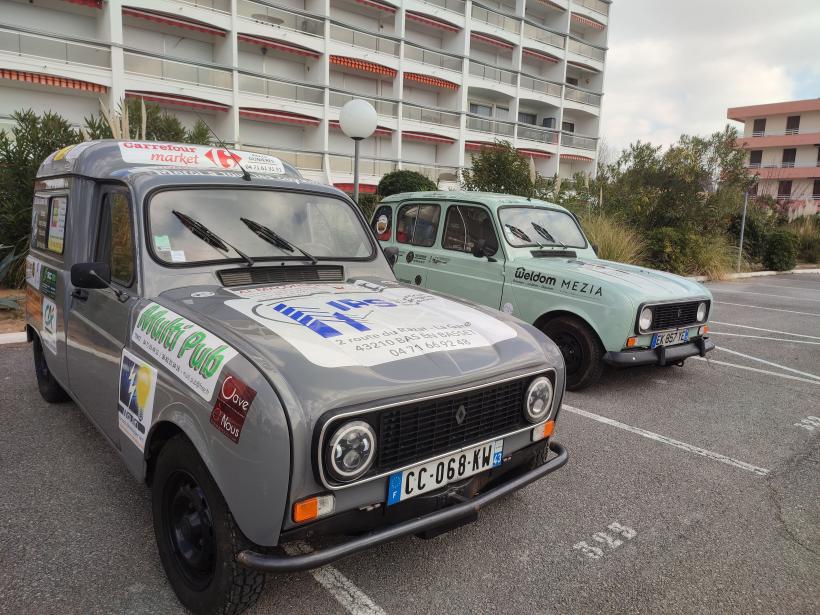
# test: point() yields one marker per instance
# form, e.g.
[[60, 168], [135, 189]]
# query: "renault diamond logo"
[[461, 414]]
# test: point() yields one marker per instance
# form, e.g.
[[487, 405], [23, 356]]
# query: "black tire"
[[197, 537], [50, 389], [582, 351]]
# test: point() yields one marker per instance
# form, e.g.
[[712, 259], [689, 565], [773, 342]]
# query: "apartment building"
[[782, 141], [447, 77]]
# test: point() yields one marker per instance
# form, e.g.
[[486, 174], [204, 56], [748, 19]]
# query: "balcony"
[[785, 170], [456, 6], [587, 51], [177, 71], [496, 127], [218, 6], [279, 18], [778, 139], [304, 161], [490, 73], [432, 58], [363, 40], [64, 51], [544, 36], [496, 20], [436, 172], [541, 135], [386, 108], [276, 88], [542, 87], [426, 115], [367, 166], [582, 96], [594, 5], [579, 142]]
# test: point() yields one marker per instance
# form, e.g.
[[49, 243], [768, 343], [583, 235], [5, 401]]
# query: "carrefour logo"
[[325, 321]]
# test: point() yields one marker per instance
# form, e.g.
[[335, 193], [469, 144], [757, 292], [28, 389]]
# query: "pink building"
[[782, 141]]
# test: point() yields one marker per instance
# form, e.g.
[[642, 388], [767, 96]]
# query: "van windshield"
[[324, 227], [537, 226]]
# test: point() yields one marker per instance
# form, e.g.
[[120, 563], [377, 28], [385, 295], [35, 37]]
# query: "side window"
[[48, 223], [417, 225], [466, 226], [115, 242], [382, 223]]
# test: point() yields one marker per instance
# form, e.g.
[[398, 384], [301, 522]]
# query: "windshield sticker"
[[162, 243], [56, 226], [177, 256], [367, 324], [232, 405], [49, 333], [565, 285], [138, 383], [198, 156], [191, 353]]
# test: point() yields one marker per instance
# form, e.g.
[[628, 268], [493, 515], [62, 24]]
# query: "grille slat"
[[281, 274], [424, 429], [673, 315]]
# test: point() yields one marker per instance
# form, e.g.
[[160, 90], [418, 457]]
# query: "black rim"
[[189, 527], [40, 360], [572, 349]]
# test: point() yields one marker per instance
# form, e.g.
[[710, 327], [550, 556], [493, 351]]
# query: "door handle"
[[438, 260]]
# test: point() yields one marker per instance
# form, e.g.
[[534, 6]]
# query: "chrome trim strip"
[[320, 444]]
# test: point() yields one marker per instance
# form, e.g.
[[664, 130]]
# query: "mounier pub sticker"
[[542, 280], [191, 353]]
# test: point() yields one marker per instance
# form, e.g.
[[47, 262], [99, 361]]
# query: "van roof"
[[490, 199], [113, 159]]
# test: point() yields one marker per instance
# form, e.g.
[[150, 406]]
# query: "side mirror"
[[479, 248], [91, 275], [392, 255]]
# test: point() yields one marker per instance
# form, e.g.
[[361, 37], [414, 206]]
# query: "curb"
[[12, 338], [752, 274]]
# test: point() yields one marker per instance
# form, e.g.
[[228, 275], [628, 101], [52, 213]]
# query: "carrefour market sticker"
[[49, 332], [191, 353], [367, 324], [138, 383], [198, 157]]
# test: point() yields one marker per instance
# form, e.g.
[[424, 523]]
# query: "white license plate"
[[670, 338], [435, 474]]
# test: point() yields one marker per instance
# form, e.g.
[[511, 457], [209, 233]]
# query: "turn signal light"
[[543, 431], [313, 508], [630, 342], [704, 329]]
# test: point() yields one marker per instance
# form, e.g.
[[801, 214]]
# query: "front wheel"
[[583, 354], [49, 388], [197, 537]]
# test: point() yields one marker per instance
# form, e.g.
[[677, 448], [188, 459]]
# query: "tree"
[[396, 182], [500, 168], [31, 141], [142, 120]]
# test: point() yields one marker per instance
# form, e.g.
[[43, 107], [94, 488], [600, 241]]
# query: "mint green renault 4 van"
[[530, 258]]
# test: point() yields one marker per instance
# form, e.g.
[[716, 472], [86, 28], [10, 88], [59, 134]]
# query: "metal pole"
[[356, 171], [742, 229]]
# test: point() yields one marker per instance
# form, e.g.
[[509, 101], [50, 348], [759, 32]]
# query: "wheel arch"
[[161, 433], [544, 318]]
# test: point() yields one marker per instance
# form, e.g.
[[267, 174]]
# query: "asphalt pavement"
[[691, 489]]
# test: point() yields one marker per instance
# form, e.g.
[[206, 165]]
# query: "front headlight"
[[538, 401], [701, 312], [350, 451], [645, 321]]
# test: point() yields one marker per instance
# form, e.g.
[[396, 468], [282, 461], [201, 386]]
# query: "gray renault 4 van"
[[237, 334]]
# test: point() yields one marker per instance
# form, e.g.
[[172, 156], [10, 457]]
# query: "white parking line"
[[758, 307], [731, 324], [763, 337], [764, 361], [814, 290], [748, 292], [758, 370], [353, 599], [672, 442]]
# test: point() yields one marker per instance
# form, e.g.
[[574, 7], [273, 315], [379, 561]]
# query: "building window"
[[815, 193], [502, 113], [755, 158], [759, 128], [527, 118], [572, 80], [792, 124], [568, 126], [789, 156], [784, 189], [482, 110]]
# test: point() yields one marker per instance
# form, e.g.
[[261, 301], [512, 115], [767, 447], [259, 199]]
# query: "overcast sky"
[[674, 67]]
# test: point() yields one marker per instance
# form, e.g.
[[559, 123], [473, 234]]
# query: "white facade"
[[447, 77]]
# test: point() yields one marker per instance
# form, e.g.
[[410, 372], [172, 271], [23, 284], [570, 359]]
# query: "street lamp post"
[[357, 120]]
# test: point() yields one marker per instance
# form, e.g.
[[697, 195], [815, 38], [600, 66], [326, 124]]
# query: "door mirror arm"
[[86, 276]]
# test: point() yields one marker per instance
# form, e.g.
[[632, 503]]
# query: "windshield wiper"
[[275, 239], [208, 236], [522, 235], [546, 235]]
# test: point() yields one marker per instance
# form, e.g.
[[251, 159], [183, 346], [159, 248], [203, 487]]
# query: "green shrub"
[[807, 231], [667, 250], [367, 203], [760, 221], [713, 257], [404, 181], [781, 250], [614, 240], [690, 253]]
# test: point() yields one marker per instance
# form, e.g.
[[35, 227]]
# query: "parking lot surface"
[[689, 489]]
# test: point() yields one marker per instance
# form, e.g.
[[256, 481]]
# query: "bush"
[[614, 240], [367, 203], [713, 257], [690, 253], [404, 181], [781, 250], [807, 231], [760, 221]]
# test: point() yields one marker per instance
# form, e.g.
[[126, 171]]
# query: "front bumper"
[[662, 355], [444, 517]]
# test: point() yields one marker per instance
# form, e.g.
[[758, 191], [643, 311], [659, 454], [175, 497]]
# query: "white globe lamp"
[[358, 120]]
